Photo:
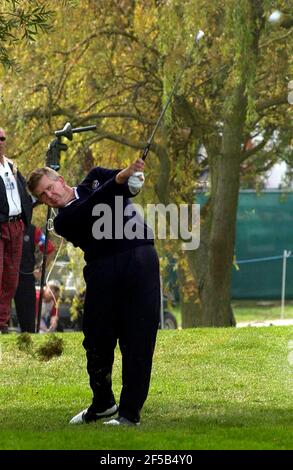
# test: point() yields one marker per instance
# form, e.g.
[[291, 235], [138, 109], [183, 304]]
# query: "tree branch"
[[276, 101], [67, 68], [31, 146], [254, 150], [102, 134], [129, 36], [279, 38], [123, 115], [78, 45]]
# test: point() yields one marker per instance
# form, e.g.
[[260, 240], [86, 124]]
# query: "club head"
[[199, 35]]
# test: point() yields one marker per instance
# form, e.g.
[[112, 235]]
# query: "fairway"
[[211, 389]]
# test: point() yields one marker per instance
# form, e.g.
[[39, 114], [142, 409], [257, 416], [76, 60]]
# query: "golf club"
[[197, 38], [53, 162], [56, 146]]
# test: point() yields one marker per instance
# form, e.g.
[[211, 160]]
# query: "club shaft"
[[149, 141], [83, 129], [166, 106]]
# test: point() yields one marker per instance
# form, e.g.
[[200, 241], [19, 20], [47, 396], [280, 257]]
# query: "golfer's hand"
[[136, 182], [123, 175]]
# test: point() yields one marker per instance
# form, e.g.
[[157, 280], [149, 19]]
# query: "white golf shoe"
[[80, 418]]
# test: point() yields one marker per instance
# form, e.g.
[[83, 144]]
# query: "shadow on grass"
[[245, 427]]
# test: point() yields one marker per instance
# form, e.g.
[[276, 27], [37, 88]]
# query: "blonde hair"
[[37, 174]]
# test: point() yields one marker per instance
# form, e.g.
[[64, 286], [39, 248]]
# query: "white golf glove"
[[136, 182]]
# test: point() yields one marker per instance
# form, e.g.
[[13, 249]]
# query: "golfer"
[[122, 301]]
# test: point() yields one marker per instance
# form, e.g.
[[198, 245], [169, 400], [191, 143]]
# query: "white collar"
[[72, 200]]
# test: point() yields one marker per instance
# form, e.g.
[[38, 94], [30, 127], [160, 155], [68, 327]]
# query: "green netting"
[[264, 230]]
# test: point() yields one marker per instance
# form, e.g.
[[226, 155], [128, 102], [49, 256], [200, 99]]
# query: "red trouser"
[[11, 239]]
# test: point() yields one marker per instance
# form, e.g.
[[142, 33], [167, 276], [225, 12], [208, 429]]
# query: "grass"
[[250, 310], [211, 389]]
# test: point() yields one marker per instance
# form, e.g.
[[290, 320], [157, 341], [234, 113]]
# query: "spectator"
[[49, 313], [15, 213], [25, 296]]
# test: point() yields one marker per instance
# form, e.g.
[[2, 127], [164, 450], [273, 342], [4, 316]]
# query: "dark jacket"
[[26, 200], [75, 222]]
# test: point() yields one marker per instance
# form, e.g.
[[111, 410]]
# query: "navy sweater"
[[75, 222]]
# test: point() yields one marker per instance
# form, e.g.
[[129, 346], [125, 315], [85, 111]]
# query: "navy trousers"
[[122, 304], [25, 302]]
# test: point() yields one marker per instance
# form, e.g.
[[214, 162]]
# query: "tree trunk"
[[215, 290], [189, 301]]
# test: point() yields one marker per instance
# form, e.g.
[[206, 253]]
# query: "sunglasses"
[[2, 138]]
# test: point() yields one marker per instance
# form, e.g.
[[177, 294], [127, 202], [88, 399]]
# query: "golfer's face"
[[51, 192]]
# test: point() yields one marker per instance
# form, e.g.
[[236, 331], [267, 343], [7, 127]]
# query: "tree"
[[243, 111], [116, 69], [21, 21]]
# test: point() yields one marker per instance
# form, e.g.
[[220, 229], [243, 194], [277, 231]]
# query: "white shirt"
[[76, 197], [10, 184]]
